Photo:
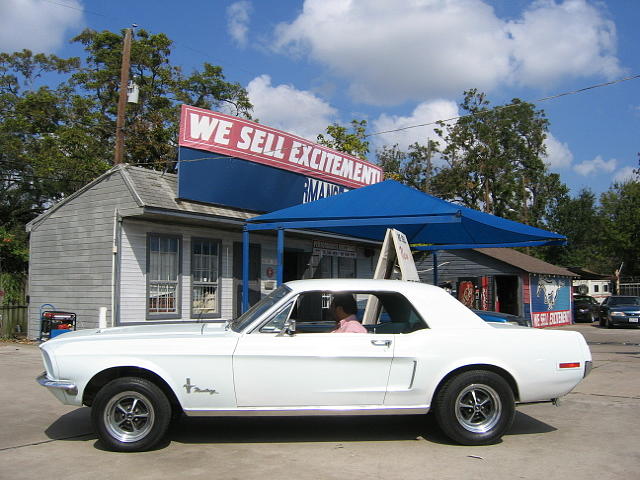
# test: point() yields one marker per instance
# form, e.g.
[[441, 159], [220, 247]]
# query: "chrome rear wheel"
[[475, 407], [478, 408]]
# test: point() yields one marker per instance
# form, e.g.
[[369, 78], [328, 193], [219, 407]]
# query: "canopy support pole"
[[245, 269], [280, 253], [435, 268]]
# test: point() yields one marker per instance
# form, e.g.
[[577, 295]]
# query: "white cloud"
[[391, 52], [426, 112], [568, 39], [625, 174], [238, 16], [597, 165], [286, 108], [558, 153], [37, 25]]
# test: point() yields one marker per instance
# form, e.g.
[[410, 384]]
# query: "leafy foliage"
[[413, 168], [495, 160], [152, 123], [620, 207], [351, 143], [56, 139], [580, 221]]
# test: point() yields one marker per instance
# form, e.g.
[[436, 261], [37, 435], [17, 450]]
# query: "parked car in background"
[[585, 308], [499, 317], [424, 351], [619, 310]]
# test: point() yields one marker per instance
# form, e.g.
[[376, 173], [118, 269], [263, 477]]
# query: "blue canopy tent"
[[367, 212]]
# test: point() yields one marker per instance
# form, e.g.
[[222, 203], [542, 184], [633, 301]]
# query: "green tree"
[[620, 207], [494, 160], [580, 220], [47, 148], [151, 124], [413, 168], [350, 142], [57, 121]]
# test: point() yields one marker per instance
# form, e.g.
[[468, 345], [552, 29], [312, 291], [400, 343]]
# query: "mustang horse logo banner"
[[551, 304], [549, 288]]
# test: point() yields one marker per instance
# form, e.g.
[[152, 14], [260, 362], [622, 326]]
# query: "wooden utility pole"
[[122, 100]]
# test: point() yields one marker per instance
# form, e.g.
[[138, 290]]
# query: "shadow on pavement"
[[76, 426], [523, 424], [306, 429], [72, 426]]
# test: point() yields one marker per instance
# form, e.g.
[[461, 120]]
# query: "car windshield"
[[259, 308], [617, 301]]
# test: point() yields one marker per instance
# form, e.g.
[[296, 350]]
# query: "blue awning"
[[367, 212]]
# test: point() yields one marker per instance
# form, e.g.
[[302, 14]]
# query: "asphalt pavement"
[[593, 435]]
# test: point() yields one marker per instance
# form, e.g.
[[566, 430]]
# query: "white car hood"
[[144, 331]]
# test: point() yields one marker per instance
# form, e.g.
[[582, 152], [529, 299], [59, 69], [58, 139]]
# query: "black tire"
[[130, 414], [608, 323], [475, 407], [601, 320]]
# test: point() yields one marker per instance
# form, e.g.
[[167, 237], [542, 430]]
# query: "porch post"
[[280, 256], [245, 269], [435, 268]]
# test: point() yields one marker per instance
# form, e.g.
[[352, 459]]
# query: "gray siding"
[[70, 263], [463, 263]]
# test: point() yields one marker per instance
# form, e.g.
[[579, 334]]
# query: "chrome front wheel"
[[131, 414]]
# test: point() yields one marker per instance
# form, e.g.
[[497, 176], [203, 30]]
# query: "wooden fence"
[[13, 320]]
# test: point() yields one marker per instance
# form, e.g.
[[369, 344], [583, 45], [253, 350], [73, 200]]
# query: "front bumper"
[[631, 320], [57, 385]]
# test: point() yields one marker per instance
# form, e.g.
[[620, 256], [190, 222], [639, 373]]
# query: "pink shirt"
[[350, 325]]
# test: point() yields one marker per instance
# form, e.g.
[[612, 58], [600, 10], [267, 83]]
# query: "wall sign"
[[550, 300], [332, 249], [231, 161]]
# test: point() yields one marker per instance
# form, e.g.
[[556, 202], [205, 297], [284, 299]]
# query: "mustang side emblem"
[[192, 388]]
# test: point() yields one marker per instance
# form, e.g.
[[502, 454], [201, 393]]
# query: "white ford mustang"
[[423, 351]]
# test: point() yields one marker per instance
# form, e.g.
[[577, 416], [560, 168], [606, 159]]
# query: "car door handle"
[[381, 343]]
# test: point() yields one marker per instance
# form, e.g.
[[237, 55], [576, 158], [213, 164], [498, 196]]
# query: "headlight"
[[617, 314]]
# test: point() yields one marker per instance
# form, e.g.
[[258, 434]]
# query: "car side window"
[[392, 313], [276, 323]]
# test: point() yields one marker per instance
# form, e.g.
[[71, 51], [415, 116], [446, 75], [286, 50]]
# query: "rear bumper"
[[57, 385]]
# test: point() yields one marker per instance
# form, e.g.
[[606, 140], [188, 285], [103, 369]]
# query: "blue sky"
[[394, 63]]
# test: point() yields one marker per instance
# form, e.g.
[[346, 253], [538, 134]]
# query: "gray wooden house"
[[126, 244]]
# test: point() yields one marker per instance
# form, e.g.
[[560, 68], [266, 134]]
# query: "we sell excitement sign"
[[257, 167]]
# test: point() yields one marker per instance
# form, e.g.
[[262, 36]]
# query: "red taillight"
[[570, 365]]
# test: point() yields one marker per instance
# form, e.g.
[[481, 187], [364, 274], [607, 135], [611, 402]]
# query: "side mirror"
[[289, 328]]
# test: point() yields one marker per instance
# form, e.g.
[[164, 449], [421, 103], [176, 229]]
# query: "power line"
[[499, 107], [175, 43]]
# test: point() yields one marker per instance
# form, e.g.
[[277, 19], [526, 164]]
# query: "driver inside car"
[[344, 309]]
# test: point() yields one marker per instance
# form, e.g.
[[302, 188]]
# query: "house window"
[[596, 288], [205, 276], [163, 276], [605, 288]]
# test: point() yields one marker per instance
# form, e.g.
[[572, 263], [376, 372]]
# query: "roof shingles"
[[525, 262]]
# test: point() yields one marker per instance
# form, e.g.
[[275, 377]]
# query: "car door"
[[311, 369]]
